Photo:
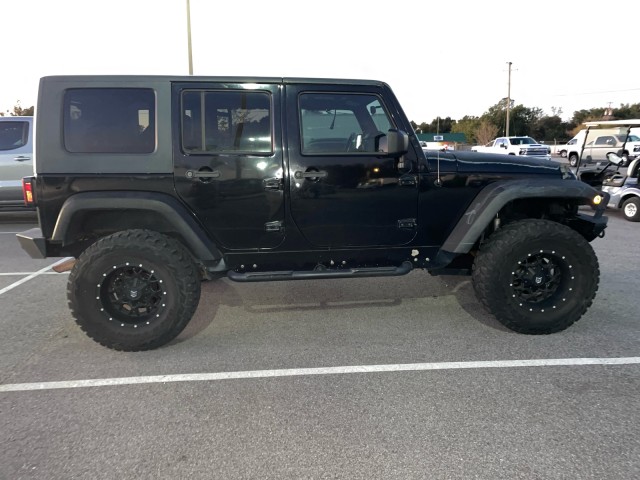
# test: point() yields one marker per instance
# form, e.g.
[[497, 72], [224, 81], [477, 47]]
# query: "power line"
[[594, 93]]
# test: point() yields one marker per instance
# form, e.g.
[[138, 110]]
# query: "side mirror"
[[614, 158], [502, 145], [394, 143]]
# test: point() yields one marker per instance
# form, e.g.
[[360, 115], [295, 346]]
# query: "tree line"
[[525, 121], [18, 111]]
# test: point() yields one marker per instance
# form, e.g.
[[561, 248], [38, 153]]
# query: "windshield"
[[632, 138], [522, 141]]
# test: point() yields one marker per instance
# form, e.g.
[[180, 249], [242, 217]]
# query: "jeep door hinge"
[[274, 226], [408, 223]]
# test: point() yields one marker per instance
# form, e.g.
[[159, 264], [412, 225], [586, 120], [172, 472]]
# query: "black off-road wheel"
[[536, 276], [134, 290]]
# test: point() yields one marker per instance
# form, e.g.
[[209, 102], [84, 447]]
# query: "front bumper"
[[593, 226], [33, 243]]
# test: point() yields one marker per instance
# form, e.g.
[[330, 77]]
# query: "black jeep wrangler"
[[156, 183]]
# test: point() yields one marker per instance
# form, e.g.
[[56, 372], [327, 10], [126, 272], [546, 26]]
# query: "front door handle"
[[310, 174], [21, 158], [202, 174], [408, 181]]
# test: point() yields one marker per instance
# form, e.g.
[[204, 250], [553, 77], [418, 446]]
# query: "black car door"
[[342, 192], [228, 161]]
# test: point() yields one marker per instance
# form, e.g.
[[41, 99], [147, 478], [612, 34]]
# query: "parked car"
[[16, 160], [596, 150], [515, 146], [563, 148], [295, 157]]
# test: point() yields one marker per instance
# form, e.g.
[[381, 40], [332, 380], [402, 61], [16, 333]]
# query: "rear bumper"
[[33, 243]]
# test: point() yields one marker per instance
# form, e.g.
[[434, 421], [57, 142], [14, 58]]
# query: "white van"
[[16, 159]]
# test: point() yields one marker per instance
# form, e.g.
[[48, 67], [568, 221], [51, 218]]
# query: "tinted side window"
[[226, 122], [341, 123], [604, 141], [13, 134], [109, 120]]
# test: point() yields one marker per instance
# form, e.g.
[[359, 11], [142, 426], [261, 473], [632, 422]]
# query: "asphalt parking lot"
[[404, 377]]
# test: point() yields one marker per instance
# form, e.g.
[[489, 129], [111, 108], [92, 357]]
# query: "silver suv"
[[16, 159]]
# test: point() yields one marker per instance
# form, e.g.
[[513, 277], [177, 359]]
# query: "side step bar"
[[403, 269]]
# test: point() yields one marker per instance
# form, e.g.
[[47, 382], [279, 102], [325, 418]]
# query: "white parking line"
[[296, 372], [19, 274], [33, 275]]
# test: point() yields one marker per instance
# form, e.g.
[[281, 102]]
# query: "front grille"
[[536, 151]]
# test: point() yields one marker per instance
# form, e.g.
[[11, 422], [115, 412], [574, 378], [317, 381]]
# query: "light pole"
[[508, 100], [189, 37]]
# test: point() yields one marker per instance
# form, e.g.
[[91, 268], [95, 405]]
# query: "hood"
[[470, 162]]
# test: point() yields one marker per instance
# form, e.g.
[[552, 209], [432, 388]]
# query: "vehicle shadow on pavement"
[[295, 296], [462, 288]]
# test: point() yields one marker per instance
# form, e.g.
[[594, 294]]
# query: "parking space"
[[387, 407]]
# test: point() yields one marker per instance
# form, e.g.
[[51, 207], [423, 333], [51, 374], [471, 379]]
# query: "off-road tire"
[[536, 276], [631, 209], [573, 160], [134, 290]]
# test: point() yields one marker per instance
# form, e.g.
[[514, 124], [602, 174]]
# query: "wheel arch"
[[627, 195], [544, 196], [87, 216]]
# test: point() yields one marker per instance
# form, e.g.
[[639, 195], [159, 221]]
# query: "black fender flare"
[[172, 210], [496, 195]]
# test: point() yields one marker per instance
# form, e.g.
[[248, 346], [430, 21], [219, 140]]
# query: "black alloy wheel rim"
[[131, 295], [541, 280]]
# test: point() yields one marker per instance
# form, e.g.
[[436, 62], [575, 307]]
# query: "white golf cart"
[[624, 189], [620, 183], [601, 138]]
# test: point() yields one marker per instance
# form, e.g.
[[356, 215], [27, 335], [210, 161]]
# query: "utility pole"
[[189, 37], [508, 100]]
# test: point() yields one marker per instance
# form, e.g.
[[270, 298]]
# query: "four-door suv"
[[156, 183], [16, 160]]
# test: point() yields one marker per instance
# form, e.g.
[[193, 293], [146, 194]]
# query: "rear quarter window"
[[109, 120], [13, 134]]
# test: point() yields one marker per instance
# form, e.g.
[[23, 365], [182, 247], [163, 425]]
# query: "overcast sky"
[[441, 58]]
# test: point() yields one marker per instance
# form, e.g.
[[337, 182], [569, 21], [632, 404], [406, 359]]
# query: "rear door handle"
[[21, 158], [273, 183]]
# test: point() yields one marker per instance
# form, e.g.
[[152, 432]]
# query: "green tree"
[[552, 129], [18, 111], [467, 125], [626, 111]]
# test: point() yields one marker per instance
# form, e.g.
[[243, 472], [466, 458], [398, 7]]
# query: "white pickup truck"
[[515, 146]]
